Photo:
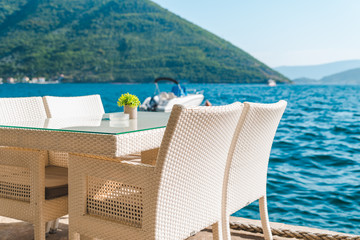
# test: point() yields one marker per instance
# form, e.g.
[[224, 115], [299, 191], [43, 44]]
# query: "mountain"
[[347, 77], [305, 81], [116, 41], [317, 71]]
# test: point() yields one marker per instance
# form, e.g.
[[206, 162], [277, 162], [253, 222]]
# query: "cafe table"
[[95, 136]]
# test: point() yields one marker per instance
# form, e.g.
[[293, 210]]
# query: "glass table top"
[[101, 124]]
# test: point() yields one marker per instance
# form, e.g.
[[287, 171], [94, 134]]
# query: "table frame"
[[81, 142]]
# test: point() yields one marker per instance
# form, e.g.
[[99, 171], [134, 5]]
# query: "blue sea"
[[314, 169]]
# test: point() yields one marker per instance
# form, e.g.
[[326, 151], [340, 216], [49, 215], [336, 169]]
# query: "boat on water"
[[164, 101], [271, 83]]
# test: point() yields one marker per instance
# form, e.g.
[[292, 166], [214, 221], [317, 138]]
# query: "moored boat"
[[271, 83], [164, 101]]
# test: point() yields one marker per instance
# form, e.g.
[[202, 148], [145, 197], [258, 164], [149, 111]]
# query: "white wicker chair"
[[71, 107], [24, 181], [245, 177], [20, 109], [177, 197]]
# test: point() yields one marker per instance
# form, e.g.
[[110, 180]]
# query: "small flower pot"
[[131, 111]]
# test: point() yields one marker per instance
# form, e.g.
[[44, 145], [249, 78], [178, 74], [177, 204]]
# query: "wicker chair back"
[[245, 177], [64, 107], [21, 109], [191, 165]]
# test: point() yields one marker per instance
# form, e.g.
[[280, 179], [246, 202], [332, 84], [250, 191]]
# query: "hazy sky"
[[280, 32]]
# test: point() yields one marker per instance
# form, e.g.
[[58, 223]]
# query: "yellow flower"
[[128, 99]]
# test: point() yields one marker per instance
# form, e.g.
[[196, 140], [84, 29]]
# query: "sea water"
[[314, 168]]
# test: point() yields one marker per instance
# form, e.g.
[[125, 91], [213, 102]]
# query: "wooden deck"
[[11, 229]]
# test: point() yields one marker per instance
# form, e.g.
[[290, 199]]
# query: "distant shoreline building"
[[11, 80]]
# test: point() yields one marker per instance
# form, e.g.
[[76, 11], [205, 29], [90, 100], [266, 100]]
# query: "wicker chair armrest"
[[150, 156], [119, 163], [22, 173], [110, 169], [17, 156], [147, 157], [96, 183]]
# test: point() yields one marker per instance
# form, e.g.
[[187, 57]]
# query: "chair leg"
[[73, 235], [225, 228], [54, 226], [48, 226], [265, 218], [217, 231], [39, 231]]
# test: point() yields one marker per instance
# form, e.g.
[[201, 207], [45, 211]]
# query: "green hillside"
[[116, 40]]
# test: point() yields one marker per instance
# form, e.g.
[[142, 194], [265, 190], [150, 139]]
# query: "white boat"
[[164, 101], [271, 83]]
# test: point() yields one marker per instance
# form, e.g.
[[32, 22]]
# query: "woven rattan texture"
[[251, 153], [245, 179], [16, 177], [71, 107], [149, 156], [96, 144], [114, 200], [22, 171], [181, 194], [94, 171], [192, 161], [139, 141], [63, 107], [20, 109], [100, 144], [14, 183], [60, 159], [25, 169]]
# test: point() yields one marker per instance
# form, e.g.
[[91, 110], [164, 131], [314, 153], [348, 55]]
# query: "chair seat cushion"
[[56, 182]]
